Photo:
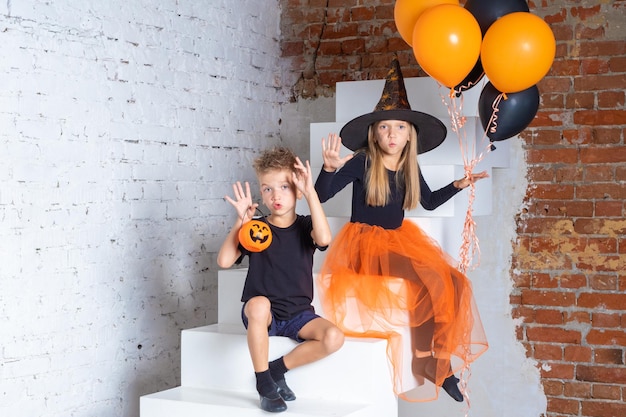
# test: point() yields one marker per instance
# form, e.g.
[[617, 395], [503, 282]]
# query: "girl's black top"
[[390, 216]]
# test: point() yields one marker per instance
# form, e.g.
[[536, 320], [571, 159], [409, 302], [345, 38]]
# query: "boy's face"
[[278, 192]]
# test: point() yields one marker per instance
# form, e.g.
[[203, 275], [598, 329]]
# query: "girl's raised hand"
[[242, 201], [330, 152]]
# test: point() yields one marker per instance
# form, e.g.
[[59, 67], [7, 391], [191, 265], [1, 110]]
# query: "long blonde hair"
[[407, 176]]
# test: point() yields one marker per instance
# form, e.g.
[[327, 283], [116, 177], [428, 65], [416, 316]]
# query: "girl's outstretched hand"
[[330, 152], [242, 201], [470, 179]]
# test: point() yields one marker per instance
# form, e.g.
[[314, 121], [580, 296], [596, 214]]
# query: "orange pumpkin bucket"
[[255, 235]]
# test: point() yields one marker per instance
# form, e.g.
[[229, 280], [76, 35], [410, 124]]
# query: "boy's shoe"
[[450, 386], [285, 392], [273, 404]]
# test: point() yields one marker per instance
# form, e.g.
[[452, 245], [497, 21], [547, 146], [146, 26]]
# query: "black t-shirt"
[[390, 216], [283, 271]]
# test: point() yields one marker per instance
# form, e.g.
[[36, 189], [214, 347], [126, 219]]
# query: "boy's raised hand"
[[302, 177], [243, 201], [330, 152]]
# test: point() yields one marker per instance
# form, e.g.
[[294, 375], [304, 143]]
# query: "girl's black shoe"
[[451, 387]]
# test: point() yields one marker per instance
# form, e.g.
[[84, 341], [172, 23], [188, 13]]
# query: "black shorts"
[[287, 328]]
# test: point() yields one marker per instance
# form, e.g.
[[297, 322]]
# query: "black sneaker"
[[285, 392], [273, 404]]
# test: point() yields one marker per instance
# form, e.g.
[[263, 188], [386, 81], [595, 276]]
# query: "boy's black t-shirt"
[[283, 271]]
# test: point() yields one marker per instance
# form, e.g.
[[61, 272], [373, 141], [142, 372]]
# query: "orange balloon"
[[446, 43], [406, 12], [517, 51]]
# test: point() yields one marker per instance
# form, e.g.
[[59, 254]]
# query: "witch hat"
[[394, 105]]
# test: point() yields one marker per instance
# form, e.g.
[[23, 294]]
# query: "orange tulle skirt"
[[399, 285]]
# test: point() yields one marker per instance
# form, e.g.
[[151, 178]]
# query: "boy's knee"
[[257, 308], [333, 339]]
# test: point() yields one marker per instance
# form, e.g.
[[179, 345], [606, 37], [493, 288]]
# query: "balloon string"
[[466, 372], [455, 112], [469, 249]]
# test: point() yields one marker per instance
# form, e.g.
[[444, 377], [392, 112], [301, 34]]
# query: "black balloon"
[[488, 11], [475, 75], [513, 114]]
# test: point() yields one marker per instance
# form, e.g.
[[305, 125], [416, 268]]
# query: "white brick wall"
[[122, 125]]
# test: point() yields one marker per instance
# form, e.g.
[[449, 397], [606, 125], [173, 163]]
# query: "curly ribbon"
[[493, 119], [470, 249], [463, 87]]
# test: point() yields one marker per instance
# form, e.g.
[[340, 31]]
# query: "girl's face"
[[278, 191], [392, 136]]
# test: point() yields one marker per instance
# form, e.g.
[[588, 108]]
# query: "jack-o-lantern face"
[[255, 236]]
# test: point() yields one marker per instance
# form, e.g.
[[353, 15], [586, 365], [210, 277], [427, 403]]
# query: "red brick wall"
[[571, 247], [570, 252]]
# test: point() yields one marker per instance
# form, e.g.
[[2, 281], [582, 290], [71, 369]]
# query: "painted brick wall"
[[122, 125], [571, 247], [570, 253]]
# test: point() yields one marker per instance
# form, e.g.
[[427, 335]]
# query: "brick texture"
[[570, 251]]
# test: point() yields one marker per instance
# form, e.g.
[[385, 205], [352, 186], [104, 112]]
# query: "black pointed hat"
[[394, 105]]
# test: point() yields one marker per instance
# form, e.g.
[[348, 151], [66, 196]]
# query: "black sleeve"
[[307, 229], [323, 185], [330, 183], [430, 200]]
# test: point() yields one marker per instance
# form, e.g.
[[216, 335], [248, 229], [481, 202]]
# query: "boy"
[[278, 291]]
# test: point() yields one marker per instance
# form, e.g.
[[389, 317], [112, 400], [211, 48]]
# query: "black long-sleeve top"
[[390, 216]]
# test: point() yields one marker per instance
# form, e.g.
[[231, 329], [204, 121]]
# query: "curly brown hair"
[[277, 158]]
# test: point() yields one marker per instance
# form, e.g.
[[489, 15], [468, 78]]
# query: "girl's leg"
[[426, 362]]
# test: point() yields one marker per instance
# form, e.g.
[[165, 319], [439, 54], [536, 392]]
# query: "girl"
[[378, 246]]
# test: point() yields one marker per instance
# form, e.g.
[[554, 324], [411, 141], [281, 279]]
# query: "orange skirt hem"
[[399, 285]]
